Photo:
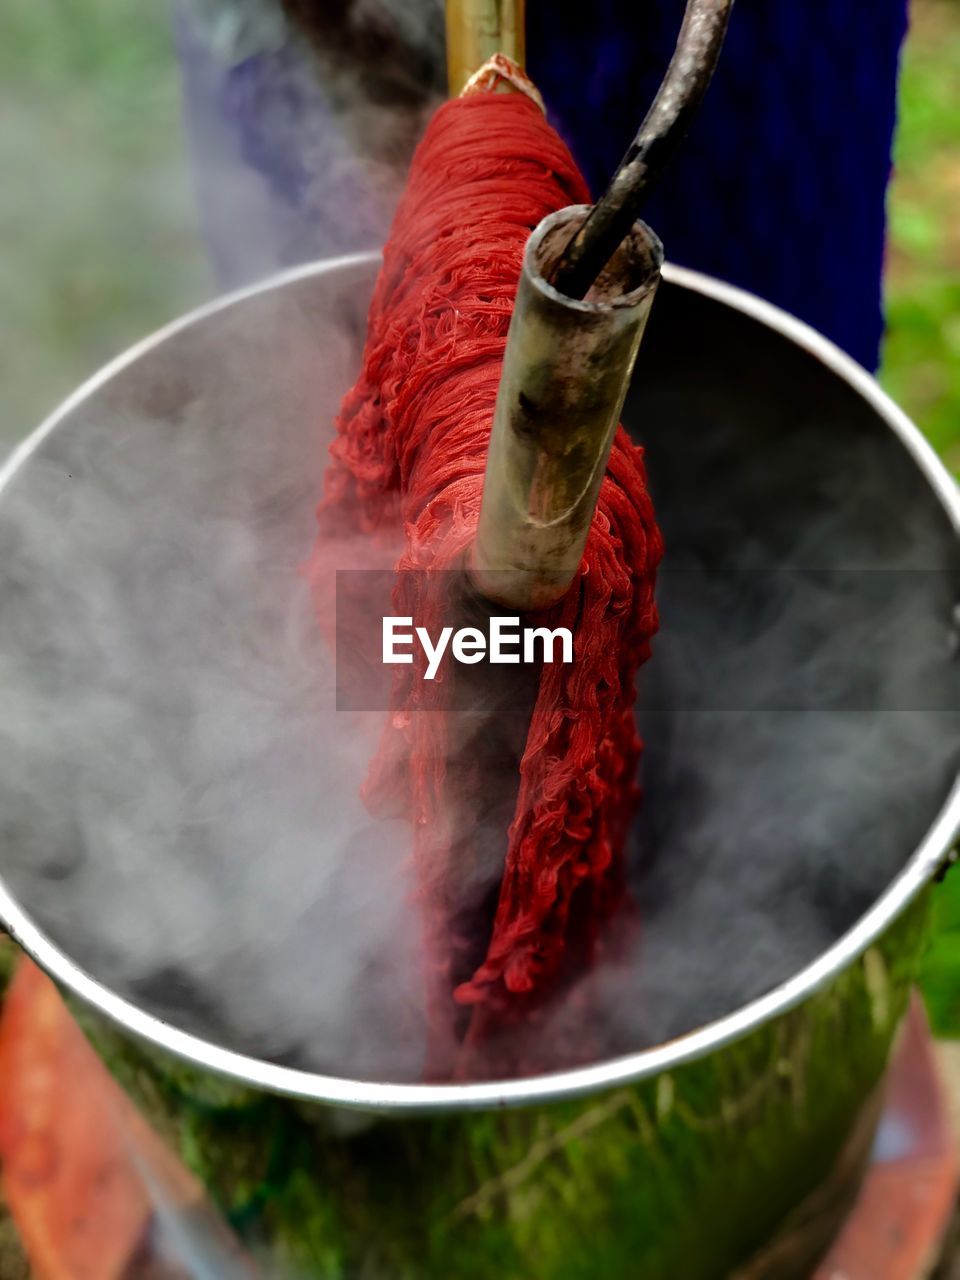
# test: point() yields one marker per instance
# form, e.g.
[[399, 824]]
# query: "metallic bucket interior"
[[725, 385]]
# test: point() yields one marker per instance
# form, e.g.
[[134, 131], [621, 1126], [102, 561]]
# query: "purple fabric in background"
[[780, 186]]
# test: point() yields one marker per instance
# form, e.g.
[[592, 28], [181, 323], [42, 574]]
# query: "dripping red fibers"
[[410, 451]]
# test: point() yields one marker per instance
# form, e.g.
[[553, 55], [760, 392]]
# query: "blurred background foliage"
[[922, 353], [99, 241], [98, 235], [921, 366]]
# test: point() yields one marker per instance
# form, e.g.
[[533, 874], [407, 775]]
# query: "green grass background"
[[99, 242], [921, 367]]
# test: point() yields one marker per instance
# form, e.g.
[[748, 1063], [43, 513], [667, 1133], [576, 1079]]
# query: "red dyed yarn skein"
[[411, 447]]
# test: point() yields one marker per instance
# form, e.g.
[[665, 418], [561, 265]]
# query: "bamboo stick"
[[476, 30]]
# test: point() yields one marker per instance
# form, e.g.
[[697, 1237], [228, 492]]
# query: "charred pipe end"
[[627, 282]]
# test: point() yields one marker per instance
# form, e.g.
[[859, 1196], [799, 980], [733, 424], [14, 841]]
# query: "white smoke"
[[180, 798], [302, 127], [181, 801]]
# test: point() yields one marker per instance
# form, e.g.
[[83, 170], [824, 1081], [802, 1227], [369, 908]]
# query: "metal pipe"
[[476, 30], [665, 124], [565, 374]]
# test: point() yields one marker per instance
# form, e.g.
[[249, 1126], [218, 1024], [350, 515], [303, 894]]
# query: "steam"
[[181, 802], [801, 710], [302, 119], [180, 798]]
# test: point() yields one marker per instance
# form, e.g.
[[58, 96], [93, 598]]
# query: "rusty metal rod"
[[688, 76], [565, 374], [476, 30]]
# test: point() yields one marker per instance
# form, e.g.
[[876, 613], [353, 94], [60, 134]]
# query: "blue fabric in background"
[[780, 186]]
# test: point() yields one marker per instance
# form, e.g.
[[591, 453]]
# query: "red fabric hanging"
[[410, 449]]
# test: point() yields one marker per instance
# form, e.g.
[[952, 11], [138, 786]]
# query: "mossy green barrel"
[[689, 1173]]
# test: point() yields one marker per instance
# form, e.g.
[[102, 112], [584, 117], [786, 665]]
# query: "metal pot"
[[735, 1145]]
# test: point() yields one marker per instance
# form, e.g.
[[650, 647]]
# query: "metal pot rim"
[[931, 856]]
